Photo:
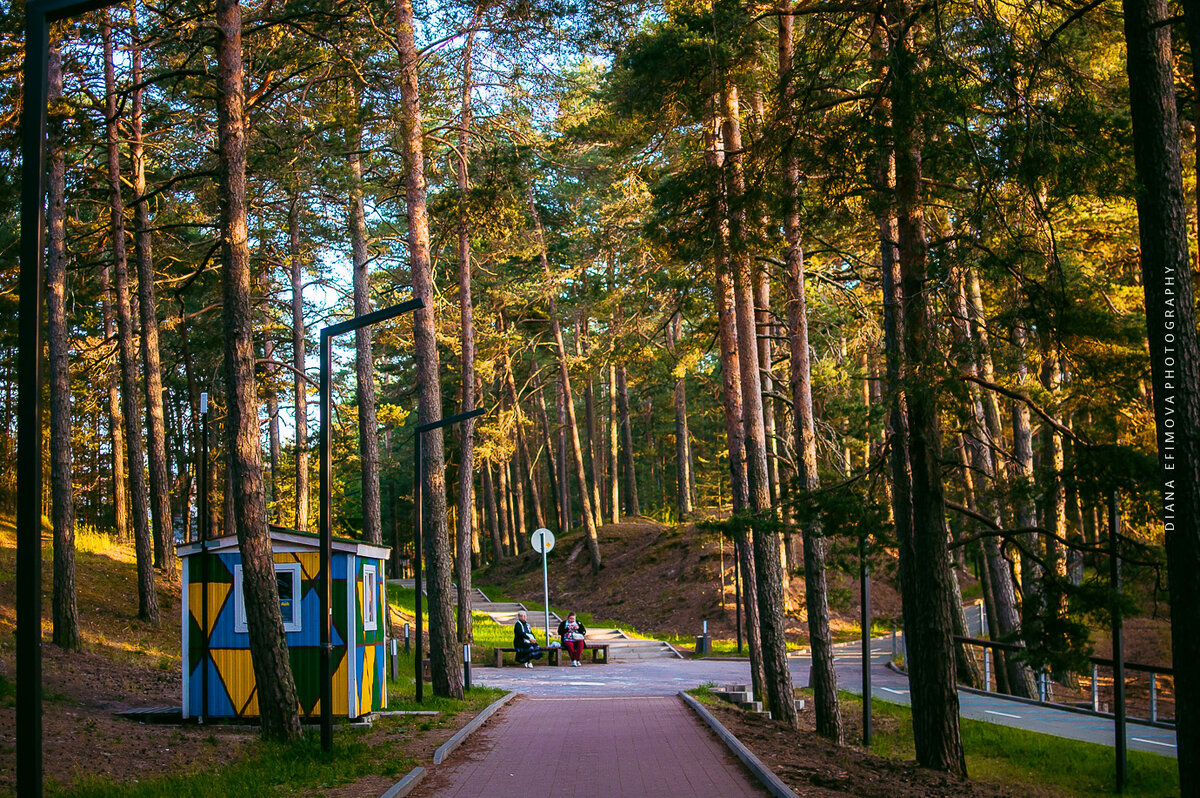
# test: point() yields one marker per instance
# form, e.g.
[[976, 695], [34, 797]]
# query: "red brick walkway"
[[624, 747]]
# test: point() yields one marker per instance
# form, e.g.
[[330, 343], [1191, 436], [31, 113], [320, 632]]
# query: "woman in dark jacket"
[[572, 633], [524, 641]]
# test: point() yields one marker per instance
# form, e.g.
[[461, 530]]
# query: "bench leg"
[[499, 658]]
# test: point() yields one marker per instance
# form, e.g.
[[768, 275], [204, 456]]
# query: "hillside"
[[667, 580]]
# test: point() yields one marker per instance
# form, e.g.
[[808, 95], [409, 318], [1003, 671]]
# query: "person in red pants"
[[572, 633]]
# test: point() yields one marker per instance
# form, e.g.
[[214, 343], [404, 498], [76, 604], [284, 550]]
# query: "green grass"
[[300, 768], [1004, 755]]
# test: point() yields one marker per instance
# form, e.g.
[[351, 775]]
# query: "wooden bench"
[[552, 653]]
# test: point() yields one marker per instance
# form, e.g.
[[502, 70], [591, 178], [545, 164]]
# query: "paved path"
[[667, 677], [598, 746]]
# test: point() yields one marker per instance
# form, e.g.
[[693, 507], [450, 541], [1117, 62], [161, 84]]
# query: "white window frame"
[[370, 608], [239, 618]]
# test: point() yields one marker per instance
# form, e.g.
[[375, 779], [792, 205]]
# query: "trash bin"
[[703, 645]]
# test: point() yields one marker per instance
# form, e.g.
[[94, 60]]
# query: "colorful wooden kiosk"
[[218, 677]]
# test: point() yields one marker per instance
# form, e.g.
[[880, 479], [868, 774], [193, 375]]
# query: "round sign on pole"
[[542, 540]]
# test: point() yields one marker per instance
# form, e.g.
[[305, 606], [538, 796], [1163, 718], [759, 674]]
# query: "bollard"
[[1153, 697], [407, 644], [395, 658], [467, 666], [1095, 687], [987, 670], [893, 642], [1041, 685], [982, 618]]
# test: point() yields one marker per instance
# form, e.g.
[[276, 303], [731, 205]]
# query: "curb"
[[466, 731], [406, 784], [773, 783]]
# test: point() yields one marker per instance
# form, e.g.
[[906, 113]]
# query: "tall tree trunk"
[[1054, 498], [274, 442], [130, 412], [925, 576], [510, 388], [731, 398], [560, 443], [443, 655], [816, 594], [489, 506], [299, 352], [779, 693], [1174, 349], [632, 505], [467, 535], [589, 407], [614, 469], [983, 452], [1021, 476], [116, 434], [62, 512], [504, 499], [277, 698], [156, 448], [683, 492], [763, 324], [539, 400], [564, 377], [364, 361]]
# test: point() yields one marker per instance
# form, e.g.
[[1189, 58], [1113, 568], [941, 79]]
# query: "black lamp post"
[[38, 16], [418, 528], [202, 523], [326, 581], [864, 576]]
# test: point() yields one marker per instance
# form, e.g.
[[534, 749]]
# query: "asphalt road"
[[668, 676]]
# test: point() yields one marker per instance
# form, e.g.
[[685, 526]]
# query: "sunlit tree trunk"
[[769, 573], [296, 274], [632, 505], [467, 534], [683, 490], [277, 698], [156, 446], [731, 398], [445, 663], [1174, 349], [364, 361], [493, 517], [614, 477], [816, 595], [130, 412], [62, 512], [564, 377], [925, 577]]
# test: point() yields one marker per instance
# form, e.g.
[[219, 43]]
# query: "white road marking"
[[1154, 742], [897, 692], [1004, 714]]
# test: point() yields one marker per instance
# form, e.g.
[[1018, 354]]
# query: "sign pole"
[[546, 593], [543, 541]]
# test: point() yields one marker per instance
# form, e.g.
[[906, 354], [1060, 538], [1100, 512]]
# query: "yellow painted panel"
[[237, 674], [217, 593], [368, 680], [339, 689], [310, 562]]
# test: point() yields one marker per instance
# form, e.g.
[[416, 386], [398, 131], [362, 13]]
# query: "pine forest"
[[808, 274]]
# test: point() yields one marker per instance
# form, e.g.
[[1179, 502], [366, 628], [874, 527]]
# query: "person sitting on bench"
[[572, 633], [524, 641]]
